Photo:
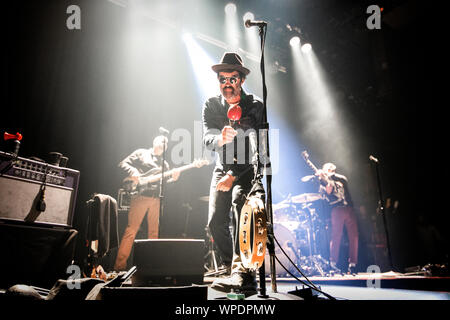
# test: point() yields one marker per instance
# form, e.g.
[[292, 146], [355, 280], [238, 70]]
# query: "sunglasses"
[[232, 80]]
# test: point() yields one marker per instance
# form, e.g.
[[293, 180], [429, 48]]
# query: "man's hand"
[[228, 134], [175, 175], [323, 176], [134, 179], [225, 183]]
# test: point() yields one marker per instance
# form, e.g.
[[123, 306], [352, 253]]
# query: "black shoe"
[[237, 282], [224, 271], [334, 269], [351, 270]]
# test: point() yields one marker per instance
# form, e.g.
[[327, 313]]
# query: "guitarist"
[[147, 201], [335, 188]]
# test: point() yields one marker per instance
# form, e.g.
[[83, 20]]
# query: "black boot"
[[351, 269]]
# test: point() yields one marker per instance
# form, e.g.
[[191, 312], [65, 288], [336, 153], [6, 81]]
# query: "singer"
[[225, 118], [139, 164]]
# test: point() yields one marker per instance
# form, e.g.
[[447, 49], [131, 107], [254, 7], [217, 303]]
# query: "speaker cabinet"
[[34, 255], [168, 262], [21, 183]]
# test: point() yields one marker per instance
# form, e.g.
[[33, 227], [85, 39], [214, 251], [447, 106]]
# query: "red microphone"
[[9, 136], [234, 114], [16, 140]]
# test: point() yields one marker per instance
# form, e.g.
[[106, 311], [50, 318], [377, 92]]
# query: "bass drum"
[[287, 241]]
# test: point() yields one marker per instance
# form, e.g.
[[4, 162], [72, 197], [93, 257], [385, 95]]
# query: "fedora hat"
[[230, 61]]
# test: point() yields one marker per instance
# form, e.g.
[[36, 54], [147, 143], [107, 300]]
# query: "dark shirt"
[[238, 157], [140, 162], [340, 195]]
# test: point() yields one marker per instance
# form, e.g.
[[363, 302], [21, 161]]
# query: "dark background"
[[62, 90]]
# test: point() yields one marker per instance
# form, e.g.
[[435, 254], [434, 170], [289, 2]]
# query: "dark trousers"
[[340, 217], [220, 205]]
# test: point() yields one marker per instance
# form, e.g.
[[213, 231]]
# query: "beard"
[[230, 93]]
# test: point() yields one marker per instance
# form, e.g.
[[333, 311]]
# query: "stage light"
[[231, 27], [306, 48], [248, 16], [186, 37], [295, 41], [201, 67], [230, 8]]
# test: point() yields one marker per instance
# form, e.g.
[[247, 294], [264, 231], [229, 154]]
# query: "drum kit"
[[297, 226]]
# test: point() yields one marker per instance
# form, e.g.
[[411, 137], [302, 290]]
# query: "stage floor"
[[391, 286]]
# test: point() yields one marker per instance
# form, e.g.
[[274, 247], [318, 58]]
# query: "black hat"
[[231, 61]]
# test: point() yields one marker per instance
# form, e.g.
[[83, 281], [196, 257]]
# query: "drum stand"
[[313, 257]]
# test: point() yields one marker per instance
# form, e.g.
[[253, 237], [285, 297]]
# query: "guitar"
[[337, 193], [305, 156], [148, 178]]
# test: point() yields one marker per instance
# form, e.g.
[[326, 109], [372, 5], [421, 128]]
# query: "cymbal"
[[306, 197], [290, 225], [204, 198], [280, 206], [307, 178]]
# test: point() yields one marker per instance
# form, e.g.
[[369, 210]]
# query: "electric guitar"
[[305, 156], [148, 179], [337, 194], [314, 168]]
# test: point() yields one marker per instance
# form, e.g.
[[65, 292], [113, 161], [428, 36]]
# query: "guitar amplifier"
[[21, 183]]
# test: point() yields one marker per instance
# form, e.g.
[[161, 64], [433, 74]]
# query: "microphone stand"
[[161, 188], [267, 165], [270, 235], [383, 214]]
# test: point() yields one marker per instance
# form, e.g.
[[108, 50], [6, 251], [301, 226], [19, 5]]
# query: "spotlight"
[[306, 48], [295, 41], [248, 16], [186, 37], [230, 8]]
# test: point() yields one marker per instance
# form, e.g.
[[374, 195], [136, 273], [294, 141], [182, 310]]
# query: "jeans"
[[220, 204], [340, 217], [138, 207]]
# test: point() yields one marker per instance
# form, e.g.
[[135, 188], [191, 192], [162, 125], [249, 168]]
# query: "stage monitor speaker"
[[21, 185], [34, 255], [168, 262]]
